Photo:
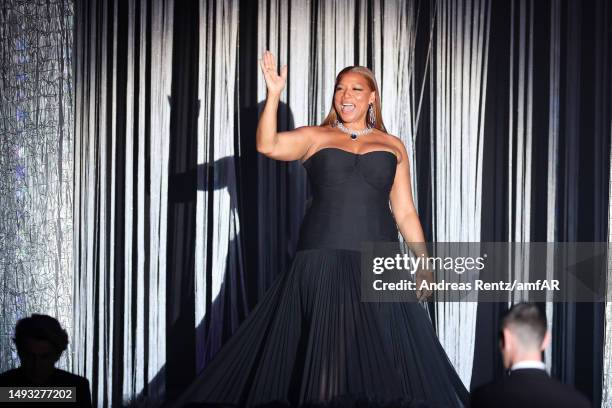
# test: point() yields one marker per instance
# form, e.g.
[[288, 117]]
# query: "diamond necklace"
[[354, 133]]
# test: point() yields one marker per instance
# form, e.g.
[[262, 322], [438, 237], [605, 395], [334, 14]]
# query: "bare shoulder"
[[312, 136], [397, 145], [396, 141]]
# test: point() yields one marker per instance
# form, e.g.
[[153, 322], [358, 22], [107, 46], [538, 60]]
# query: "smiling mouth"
[[348, 107]]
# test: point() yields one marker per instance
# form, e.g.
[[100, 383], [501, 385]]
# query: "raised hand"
[[274, 82]]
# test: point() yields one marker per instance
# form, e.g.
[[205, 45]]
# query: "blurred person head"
[[40, 341], [523, 334]]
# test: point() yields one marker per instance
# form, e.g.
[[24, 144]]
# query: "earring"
[[371, 116]]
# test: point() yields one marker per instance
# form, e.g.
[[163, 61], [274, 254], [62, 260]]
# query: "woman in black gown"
[[310, 339]]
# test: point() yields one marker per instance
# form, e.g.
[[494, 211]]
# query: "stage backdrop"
[[36, 167], [180, 226]]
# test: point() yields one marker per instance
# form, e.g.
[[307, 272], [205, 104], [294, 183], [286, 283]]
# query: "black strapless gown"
[[310, 339]]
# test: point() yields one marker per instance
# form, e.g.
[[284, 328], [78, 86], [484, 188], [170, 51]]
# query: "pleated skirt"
[[311, 341]]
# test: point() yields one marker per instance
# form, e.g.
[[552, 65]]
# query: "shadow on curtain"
[[180, 226]]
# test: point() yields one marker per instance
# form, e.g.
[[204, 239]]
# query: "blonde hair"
[[368, 75]]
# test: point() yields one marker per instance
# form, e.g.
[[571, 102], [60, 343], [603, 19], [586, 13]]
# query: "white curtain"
[[459, 74], [217, 244], [121, 192], [313, 65]]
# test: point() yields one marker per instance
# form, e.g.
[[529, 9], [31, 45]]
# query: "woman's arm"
[[406, 216], [289, 145]]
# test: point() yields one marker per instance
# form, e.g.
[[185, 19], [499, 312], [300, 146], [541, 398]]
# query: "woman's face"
[[352, 97]]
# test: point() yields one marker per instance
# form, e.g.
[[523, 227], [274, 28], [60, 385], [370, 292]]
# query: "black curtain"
[[180, 345], [582, 197], [116, 44]]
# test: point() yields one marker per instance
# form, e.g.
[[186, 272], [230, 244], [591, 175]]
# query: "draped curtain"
[[458, 79], [180, 226], [220, 299], [607, 366], [122, 72], [547, 140]]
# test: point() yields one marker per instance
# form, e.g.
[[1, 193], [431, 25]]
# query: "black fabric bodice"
[[350, 201]]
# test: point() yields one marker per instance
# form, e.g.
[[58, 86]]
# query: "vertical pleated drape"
[[584, 120], [344, 35], [219, 257], [122, 83], [458, 98], [606, 397], [180, 226], [546, 163]]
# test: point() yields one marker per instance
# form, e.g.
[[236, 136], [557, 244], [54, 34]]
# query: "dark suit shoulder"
[[69, 377], [9, 373], [10, 377], [483, 395], [83, 393], [568, 393], [528, 388], [59, 378]]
